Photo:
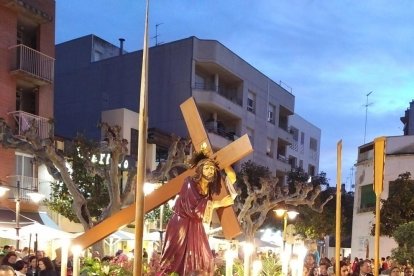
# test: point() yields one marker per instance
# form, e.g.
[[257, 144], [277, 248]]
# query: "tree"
[[403, 235], [260, 193], [316, 225], [93, 167], [398, 208]]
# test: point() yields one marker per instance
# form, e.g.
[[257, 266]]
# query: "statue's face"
[[209, 171]]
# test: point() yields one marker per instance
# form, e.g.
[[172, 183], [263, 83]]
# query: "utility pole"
[[366, 115]]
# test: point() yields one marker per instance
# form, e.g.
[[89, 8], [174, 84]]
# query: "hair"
[[6, 268], [214, 186], [19, 265], [361, 263], [5, 260], [47, 262], [408, 267], [31, 258]]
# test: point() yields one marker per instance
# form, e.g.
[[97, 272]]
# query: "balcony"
[[25, 120], [27, 185], [285, 136], [219, 138], [31, 65], [218, 98], [282, 164]]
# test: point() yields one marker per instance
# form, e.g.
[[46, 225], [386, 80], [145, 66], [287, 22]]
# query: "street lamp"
[[34, 196], [281, 212]]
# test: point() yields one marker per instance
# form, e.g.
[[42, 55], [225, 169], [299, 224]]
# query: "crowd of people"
[[357, 267], [27, 263]]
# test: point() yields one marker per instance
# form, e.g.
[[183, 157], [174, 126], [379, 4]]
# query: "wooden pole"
[[142, 146], [338, 207], [379, 161]]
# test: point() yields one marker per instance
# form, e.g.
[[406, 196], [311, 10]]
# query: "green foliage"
[[314, 225], [92, 266], [399, 207], [404, 237], [90, 185], [271, 266], [155, 214]]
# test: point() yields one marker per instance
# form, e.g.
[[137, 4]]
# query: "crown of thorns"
[[199, 156]]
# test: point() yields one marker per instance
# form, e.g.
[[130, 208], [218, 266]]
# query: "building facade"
[[233, 97], [27, 53], [304, 151], [408, 120], [399, 158]]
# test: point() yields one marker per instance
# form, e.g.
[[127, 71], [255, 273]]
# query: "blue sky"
[[331, 53]]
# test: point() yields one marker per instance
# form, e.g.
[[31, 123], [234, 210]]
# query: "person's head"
[[6, 248], [310, 259], [6, 270], [365, 266], [45, 264], [40, 254], [395, 271], [10, 258], [32, 261], [208, 170], [408, 271], [344, 268], [21, 266], [323, 269]]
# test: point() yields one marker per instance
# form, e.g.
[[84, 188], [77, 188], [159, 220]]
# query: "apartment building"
[[408, 120], [27, 53], [399, 158], [304, 151], [233, 97]]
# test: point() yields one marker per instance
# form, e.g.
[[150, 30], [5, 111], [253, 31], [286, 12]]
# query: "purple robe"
[[186, 246]]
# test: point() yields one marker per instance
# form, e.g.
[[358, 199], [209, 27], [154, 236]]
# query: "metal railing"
[[229, 93], [27, 185], [26, 120], [32, 62]]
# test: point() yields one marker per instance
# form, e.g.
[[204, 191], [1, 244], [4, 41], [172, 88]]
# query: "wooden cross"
[[226, 156]]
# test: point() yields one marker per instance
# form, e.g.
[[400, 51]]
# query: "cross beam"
[[226, 156]]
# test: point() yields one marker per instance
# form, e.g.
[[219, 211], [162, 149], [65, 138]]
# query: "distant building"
[[304, 151], [408, 120], [233, 97], [27, 50], [399, 158]]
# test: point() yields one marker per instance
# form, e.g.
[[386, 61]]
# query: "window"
[[250, 133], [367, 201], [292, 161], [302, 138], [313, 144], [271, 113], [251, 102], [269, 147], [295, 132], [24, 165], [311, 170], [301, 164], [133, 146]]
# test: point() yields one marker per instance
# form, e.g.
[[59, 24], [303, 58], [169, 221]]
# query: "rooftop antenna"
[[366, 115], [156, 34]]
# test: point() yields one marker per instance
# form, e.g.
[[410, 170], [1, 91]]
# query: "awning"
[[8, 219]]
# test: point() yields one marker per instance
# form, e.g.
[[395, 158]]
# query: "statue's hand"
[[224, 202]]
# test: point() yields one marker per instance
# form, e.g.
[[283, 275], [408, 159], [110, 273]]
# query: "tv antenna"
[[156, 34], [366, 115]]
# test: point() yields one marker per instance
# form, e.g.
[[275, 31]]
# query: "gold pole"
[[142, 146], [338, 207], [379, 161]]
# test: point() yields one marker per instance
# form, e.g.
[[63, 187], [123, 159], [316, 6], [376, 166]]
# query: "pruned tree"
[[403, 235], [87, 165], [261, 193]]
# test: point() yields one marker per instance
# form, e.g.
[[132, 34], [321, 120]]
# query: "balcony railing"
[[32, 62], [27, 185], [227, 92], [26, 120]]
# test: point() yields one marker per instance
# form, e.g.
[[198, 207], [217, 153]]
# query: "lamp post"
[[281, 212], [34, 196]]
